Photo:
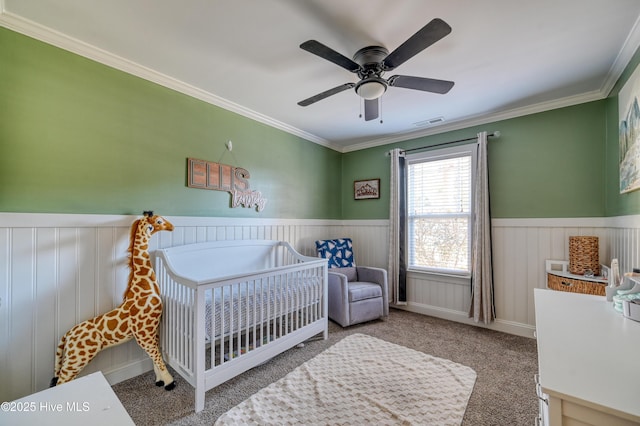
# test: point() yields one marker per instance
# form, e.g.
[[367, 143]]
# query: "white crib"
[[232, 305]]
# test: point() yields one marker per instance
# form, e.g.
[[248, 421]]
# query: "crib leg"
[[199, 400]]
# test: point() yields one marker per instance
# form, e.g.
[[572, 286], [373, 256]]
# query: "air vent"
[[429, 122]]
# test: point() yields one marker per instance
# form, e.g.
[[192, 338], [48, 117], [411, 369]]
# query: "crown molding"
[[629, 48], [482, 119], [63, 41]]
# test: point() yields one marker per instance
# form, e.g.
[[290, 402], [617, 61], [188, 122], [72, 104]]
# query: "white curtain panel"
[[394, 229], [482, 300]]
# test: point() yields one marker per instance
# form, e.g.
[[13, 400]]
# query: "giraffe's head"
[[154, 223]]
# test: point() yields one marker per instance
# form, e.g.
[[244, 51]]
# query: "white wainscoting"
[[57, 270], [520, 248]]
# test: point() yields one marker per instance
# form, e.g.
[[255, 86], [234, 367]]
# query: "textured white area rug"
[[362, 380]]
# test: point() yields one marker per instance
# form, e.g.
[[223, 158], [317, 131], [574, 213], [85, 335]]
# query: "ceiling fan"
[[371, 62]]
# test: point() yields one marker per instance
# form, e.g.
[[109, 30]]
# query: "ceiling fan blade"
[[421, 83], [329, 54], [326, 94], [371, 109], [429, 34]]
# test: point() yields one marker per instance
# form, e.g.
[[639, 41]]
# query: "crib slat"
[[223, 323], [282, 303], [238, 325]]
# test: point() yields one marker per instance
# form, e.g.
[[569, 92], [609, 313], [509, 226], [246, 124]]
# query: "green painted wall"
[[79, 137], [543, 165]]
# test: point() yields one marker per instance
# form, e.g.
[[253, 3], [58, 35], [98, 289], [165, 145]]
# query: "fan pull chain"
[[380, 109], [361, 103]]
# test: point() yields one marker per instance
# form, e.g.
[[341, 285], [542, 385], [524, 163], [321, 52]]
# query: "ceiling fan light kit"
[[371, 62], [371, 88]]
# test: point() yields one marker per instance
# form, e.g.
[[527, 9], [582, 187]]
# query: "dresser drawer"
[[556, 282]]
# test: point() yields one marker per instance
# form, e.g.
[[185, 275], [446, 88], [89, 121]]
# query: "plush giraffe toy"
[[137, 317]]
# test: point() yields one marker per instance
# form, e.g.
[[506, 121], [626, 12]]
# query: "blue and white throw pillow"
[[339, 252]]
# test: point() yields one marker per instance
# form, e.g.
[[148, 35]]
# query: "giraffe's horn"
[[148, 213]]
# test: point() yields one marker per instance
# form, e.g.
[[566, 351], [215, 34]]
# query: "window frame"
[[437, 154]]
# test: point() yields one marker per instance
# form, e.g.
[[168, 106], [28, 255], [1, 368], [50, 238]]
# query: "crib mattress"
[[241, 306]]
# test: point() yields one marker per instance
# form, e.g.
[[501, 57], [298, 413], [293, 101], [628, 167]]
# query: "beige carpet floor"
[[504, 392]]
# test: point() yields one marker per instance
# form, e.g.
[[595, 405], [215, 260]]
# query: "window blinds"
[[439, 213]]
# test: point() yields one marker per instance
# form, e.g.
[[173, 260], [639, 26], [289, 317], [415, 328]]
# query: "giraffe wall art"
[[136, 318]]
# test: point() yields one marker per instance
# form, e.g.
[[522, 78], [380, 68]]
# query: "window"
[[439, 209]]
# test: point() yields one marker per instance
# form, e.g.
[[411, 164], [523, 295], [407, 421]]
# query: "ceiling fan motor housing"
[[370, 60]]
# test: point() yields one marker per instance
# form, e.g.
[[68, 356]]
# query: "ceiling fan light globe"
[[371, 89]]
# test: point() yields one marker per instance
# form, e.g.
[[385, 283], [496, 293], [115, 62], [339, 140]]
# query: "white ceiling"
[[507, 57]]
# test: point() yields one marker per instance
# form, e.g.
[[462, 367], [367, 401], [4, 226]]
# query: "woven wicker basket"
[[556, 282], [584, 255]]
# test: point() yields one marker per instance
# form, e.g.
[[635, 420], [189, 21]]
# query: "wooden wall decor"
[[366, 189], [223, 177]]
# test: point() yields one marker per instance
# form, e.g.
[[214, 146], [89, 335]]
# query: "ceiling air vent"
[[429, 122]]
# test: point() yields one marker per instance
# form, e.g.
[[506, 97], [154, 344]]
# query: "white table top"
[[87, 400], [588, 350]]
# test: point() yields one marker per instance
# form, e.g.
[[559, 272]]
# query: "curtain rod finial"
[[496, 134]]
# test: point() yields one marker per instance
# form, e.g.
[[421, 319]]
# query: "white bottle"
[[615, 279]]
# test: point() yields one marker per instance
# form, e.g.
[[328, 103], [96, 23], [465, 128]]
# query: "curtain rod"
[[495, 134]]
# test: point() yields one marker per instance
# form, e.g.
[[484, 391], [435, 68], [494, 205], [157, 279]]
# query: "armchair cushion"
[[362, 291]]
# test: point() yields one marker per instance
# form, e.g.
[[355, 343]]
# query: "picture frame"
[[366, 189], [629, 134]]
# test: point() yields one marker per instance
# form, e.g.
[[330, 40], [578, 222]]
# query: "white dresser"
[[588, 359]]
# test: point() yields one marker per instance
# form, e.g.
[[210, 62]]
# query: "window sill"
[[460, 279]]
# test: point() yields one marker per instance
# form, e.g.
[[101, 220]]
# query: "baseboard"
[[128, 371], [509, 327]]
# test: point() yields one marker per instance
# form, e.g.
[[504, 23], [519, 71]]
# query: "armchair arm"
[[377, 276], [338, 293]]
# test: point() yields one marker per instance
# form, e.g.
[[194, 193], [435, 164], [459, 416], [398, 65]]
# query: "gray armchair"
[[357, 294]]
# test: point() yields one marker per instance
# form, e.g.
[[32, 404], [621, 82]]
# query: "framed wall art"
[[366, 189], [629, 134]]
